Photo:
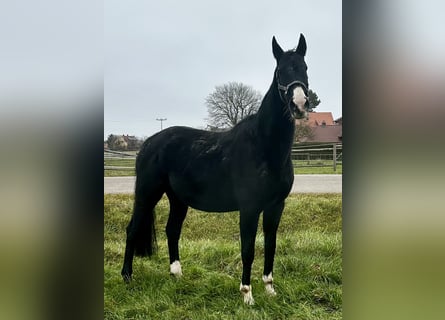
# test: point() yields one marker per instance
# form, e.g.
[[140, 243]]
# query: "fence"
[[118, 159], [319, 155]]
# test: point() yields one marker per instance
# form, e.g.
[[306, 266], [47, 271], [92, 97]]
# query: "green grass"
[[318, 170], [307, 273], [299, 169], [119, 163], [118, 173]]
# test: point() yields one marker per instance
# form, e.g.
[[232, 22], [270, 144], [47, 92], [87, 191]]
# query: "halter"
[[286, 88]]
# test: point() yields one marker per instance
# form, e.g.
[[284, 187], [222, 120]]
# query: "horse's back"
[[193, 165], [180, 147]]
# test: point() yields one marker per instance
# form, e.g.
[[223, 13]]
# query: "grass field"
[[299, 169], [318, 170], [307, 273], [119, 163]]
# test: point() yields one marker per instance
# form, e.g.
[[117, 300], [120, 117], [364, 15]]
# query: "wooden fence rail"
[[322, 155], [118, 155]]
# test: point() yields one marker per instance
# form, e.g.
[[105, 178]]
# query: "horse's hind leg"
[[178, 211], [141, 234], [271, 220]]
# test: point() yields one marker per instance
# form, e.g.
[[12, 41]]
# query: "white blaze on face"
[[299, 98]]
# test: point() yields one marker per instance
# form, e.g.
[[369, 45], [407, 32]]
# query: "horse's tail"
[[142, 225], [149, 188], [143, 231]]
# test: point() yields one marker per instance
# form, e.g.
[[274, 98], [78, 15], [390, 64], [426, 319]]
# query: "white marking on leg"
[[299, 98], [175, 269], [268, 282], [246, 291]]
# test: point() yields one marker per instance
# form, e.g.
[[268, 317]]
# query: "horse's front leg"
[[271, 220], [248, 229]]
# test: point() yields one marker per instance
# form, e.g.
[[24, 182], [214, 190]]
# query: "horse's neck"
[[275, 124]]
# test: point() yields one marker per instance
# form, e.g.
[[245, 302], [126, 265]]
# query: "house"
[[320, 118], [133, 143], [339, 121], [326, 134], [320, 128]]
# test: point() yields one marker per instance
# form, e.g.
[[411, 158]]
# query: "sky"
[[163, 58]]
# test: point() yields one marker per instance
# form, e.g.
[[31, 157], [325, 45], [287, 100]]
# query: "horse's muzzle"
[[297, 113]]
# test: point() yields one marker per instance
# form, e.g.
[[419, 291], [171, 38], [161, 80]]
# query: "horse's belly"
[[211, 202], [217, 196], [220, 206]]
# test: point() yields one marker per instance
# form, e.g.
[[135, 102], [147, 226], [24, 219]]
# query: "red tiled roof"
[[317, 119]]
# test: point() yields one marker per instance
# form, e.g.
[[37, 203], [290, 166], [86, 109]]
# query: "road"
[[303, 183]]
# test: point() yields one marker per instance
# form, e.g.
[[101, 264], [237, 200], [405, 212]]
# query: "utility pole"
[[161, 119]]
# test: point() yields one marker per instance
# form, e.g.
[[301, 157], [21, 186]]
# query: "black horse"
[[247, 168]]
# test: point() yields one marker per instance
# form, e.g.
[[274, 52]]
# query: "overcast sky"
[[162, 58]]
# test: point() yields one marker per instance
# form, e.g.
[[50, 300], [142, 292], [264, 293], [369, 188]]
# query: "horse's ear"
[[301, 49], [276, 49]]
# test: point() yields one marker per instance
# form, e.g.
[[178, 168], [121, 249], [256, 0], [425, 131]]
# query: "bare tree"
[[303, 131], [120, 144], [116, 142], [230, 103]]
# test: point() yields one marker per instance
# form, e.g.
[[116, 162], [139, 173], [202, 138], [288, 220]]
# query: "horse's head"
[[291, 77]]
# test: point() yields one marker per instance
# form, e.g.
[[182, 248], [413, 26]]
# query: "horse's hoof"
[[246, 291], [268, 282], [270, 290], [127, 278], [175, 269]]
